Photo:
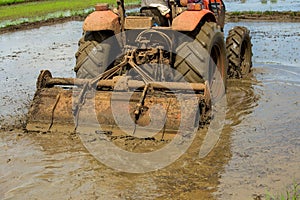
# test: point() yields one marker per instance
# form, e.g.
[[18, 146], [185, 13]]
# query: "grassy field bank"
[[41, 8], [16, 14], [10, 2]]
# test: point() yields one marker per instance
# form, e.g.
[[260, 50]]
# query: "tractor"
[[158, 70]]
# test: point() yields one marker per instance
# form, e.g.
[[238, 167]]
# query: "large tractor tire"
[[92, 57], [204, 59], [239, 52]]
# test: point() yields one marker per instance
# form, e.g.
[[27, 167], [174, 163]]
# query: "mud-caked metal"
[[172, 55]]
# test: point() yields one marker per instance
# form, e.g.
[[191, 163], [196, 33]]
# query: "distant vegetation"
[[15, 9], [9, 2], [291, 13], [17, 12]]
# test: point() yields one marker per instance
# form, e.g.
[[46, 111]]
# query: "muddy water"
[[266, 143], [258, 150], [24, 54]]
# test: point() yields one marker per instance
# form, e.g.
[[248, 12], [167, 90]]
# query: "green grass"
[[27, 11], [42, 8], [9, 2], [292, 193]]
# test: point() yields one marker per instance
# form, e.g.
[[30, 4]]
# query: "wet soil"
[[258, 151], [272, 16], [24, 54], [31, 25]]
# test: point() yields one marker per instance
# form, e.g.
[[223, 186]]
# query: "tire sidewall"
[[218, 42]]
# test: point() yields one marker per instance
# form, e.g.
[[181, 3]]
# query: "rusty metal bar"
[[131, 84], [65, 81]]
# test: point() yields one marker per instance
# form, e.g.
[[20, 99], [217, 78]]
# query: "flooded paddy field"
[[262, 5], [258, 150]]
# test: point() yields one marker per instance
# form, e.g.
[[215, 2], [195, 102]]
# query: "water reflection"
[[241, 98], [265, 138], [262, 5]]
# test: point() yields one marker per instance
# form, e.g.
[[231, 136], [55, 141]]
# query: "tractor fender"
[[188, 20], [102, 20]]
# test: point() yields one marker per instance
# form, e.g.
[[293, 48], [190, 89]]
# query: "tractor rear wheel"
[[239, 52], [92, 57], [204, 59]]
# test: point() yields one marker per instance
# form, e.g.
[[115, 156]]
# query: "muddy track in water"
[[258, 151]]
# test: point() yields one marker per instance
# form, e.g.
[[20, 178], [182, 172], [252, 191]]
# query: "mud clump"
[[138, 145]]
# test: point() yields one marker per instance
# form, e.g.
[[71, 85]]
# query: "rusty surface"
[[138, 22], [50, 107], [53, 108], [130, 84], [66, 104], [102, 20], [101, 7], [188, 20]]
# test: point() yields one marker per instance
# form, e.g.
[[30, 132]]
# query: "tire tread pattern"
[[92, 55], [195, 70], [234, 41]]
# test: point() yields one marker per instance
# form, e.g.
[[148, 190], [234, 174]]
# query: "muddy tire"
[[239, 52], [92, 57], [204, 59]]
